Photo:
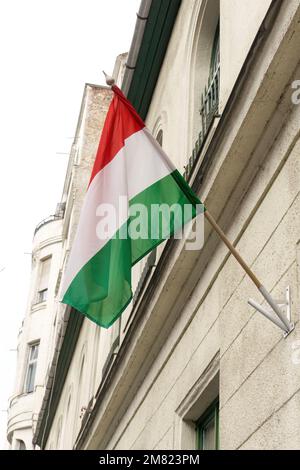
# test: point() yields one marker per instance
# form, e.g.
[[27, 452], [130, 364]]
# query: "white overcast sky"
[[49, 49]]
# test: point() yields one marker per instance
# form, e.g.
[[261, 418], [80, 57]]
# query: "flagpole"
[[231, 248], [285, 324]]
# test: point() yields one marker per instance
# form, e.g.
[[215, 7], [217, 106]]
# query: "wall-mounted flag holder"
[[280, 314], [277, 315]]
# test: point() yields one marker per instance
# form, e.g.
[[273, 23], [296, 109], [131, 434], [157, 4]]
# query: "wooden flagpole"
[[231, 248]]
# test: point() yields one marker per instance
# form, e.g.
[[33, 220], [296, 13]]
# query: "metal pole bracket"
[[280, 314]]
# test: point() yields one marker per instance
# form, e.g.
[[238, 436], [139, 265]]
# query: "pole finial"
[[109, 80]]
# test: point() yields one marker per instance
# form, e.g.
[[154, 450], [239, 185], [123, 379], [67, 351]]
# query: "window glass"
[[20, 445], [159, 138], [208, 428], [43, 280], [31, 367], [209, 433]]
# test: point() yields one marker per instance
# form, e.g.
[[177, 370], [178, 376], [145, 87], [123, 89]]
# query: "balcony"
[[49, 219], [59, 214], [209, 108], [209, 102], [19, 413]]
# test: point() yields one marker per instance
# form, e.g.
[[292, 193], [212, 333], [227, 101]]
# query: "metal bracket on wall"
[[280, 314], [280, 318]]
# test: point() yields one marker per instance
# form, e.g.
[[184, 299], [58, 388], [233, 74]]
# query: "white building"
[[36, 336], [190, 365], [43, 325]]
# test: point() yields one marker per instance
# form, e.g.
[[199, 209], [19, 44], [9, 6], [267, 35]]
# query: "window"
[[80, 398], [20, 445], [159, 137], [115, 332], [58, 434], [42, 295], [31, 368], [208, 429], [215, 53], [43, 280], [205, 75], [210, 96], [67, 444]]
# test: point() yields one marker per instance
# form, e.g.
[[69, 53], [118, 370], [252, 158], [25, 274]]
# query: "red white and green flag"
[[124, 214]]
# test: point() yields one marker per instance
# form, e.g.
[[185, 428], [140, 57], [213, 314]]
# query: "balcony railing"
[[49, 219], [208, 111], [210, 101], [59, 214]]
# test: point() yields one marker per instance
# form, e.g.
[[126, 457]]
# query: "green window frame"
[[210, 416]]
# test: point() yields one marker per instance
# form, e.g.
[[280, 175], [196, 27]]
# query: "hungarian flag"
[[124, 214]]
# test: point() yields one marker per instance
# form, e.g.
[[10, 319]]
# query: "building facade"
[[44, 323], [190, 365], [36, 335]]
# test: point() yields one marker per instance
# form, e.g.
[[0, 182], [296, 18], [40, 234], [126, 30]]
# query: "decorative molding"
[[38, 306], [185, 409], [48, 242], [200, 396]]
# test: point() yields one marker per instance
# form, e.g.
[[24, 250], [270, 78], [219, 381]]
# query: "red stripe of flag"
[[114, 132]]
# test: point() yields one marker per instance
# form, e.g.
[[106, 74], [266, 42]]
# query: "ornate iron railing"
[[49, 219], [209, 110]]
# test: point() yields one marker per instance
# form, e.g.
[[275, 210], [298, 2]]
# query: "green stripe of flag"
[[102, 288]]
